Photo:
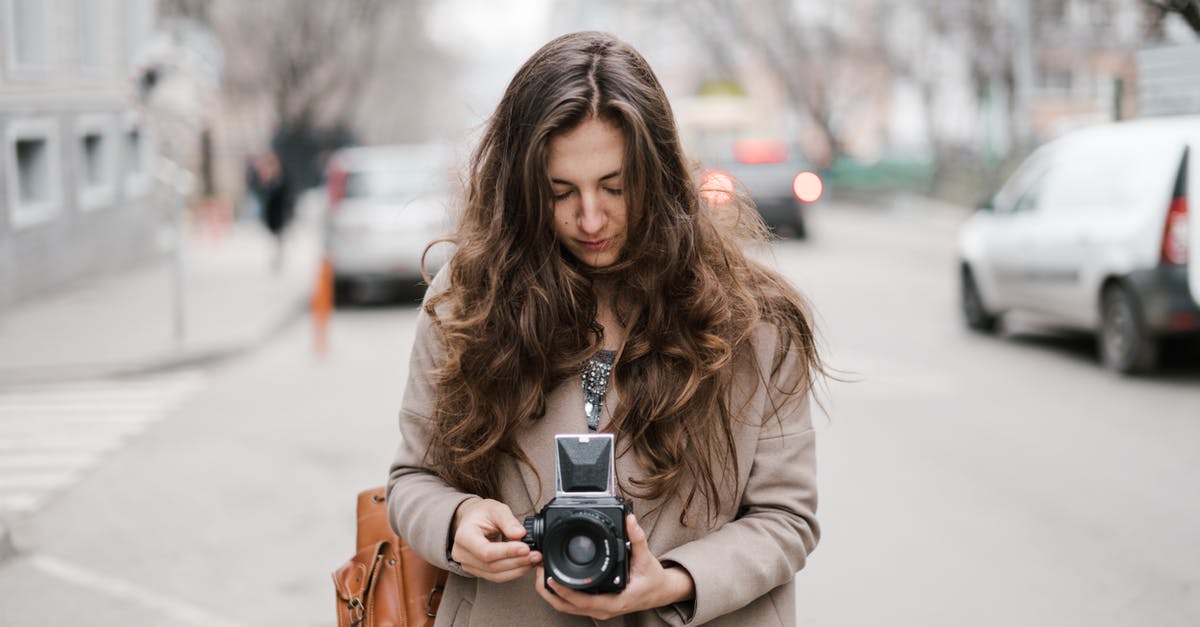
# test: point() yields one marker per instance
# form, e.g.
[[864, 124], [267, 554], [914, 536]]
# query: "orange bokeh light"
[[717, 187], [808, 186]]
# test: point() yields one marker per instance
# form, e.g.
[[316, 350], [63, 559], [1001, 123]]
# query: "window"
[[96, 162], [136, 151], [31, 148], [137, 18], [27, 32], [136, 161], [93, 36], [33, 170]]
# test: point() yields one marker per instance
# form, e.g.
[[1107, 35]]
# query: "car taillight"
[[1175, 235], [807, 186], [337, 185]]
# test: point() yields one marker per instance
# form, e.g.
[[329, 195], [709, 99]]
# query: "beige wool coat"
[[743, 563]]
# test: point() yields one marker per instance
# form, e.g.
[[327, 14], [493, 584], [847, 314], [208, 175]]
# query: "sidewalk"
[[124, 324]]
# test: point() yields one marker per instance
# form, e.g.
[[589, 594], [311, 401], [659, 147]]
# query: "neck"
[[614, 334]]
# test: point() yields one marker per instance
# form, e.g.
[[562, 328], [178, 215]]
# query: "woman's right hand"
[[487, 541]]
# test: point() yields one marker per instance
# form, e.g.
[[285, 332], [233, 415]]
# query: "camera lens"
[[581, 550]]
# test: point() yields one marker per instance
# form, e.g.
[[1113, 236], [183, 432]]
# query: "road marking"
[[178, 611], [51, 434]]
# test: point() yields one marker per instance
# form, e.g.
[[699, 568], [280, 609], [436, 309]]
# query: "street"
[[966, 479]]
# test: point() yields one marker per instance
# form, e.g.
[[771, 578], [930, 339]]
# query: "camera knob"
[[533, 531]]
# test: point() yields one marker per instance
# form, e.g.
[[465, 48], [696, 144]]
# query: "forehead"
[[591, 150]]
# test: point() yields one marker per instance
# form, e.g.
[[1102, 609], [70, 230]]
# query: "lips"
[[594, 245]]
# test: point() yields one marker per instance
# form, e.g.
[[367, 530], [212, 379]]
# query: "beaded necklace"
[[595, 384]]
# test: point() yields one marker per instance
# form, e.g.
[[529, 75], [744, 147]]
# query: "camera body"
[[581, 531]]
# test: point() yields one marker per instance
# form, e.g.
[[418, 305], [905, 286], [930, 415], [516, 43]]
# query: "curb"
[[159, 363]]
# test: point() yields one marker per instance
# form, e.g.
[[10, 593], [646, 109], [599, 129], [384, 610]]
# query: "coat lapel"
[[564, 414]]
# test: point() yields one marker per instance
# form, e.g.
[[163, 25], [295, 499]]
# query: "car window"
[[1108, 174], [1031, 198], [1022, 190], [392, 183]]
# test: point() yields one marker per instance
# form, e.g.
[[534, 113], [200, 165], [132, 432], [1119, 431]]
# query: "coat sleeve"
[[776, 527], [420, 504]]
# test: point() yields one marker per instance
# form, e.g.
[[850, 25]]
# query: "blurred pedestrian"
[[593, 289], [268, 181]]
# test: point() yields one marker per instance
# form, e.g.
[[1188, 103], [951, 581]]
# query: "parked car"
[[386, 204], [1096, 231], [778, 179]]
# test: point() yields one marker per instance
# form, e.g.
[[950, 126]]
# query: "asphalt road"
[[966, 480]]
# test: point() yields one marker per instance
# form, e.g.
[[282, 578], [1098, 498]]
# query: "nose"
[[592, 216]]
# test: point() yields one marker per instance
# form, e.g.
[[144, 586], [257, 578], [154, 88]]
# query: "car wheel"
[[975, 313], [799, 229], [1125, 344], [343, 292]]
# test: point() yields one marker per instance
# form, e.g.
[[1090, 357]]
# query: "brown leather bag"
[[385, 584]]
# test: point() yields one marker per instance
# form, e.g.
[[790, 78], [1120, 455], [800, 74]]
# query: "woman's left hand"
[[650, 585]]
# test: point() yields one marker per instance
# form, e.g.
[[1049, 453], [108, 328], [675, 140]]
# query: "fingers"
[[504, 568], [477, 548], [568, 601], [501, 576], [501, 518], [486, 542], [639, 546], [554, 601], [636, 533]]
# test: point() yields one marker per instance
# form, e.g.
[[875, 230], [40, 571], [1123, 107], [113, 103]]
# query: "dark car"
[[778, 179]]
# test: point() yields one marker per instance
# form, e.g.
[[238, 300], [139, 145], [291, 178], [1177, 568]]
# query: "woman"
[[593, 288], [269, 183]]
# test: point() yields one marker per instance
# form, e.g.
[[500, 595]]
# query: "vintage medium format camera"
[[581, 531]]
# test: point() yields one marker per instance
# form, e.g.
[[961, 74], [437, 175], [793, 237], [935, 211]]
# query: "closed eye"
[[613, 191], [564, 195]]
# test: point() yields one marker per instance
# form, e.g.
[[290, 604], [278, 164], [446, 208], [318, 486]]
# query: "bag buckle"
[[429, 602], [356, 607]]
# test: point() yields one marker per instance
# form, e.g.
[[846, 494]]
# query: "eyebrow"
[[613, 174]]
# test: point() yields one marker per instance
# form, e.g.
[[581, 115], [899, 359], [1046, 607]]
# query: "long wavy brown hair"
[[519, 317]]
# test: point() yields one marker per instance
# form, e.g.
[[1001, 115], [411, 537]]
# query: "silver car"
[[386, 204], [1095, 231]]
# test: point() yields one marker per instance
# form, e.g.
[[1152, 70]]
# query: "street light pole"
[[178, 76], [177, 181]]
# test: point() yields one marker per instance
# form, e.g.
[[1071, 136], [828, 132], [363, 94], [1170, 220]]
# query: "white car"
[[1094, 231], [386, 204]]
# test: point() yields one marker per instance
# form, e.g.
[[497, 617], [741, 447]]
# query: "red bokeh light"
[[808, 186], [753, 151]]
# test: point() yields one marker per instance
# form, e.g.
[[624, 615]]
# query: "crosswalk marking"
[[50, 434]]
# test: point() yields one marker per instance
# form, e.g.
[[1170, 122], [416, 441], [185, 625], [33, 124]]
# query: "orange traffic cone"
[[322, 306]]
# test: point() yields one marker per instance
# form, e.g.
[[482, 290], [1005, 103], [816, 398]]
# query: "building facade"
[[76, 160]]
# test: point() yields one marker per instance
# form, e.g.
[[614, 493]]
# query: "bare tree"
[[314, 60], [1189, 10], [310, 73], [824, 72]]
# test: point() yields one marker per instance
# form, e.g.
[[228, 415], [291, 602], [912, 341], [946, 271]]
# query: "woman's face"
[[589, 205]]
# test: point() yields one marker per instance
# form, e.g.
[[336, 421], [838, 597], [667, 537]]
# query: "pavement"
[[234, 295]]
